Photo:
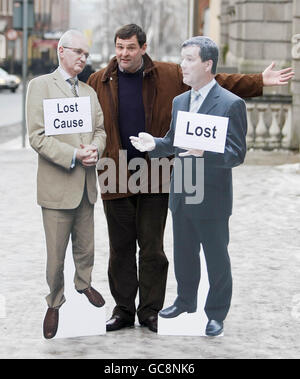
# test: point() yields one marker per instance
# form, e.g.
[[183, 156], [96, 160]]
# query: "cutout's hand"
[[144, 142], [88, 155], [194, 152]]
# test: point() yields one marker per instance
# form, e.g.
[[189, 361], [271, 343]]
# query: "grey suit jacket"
[[59, 186], [217, 201]]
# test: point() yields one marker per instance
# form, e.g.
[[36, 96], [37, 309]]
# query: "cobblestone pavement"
[[264, 321]]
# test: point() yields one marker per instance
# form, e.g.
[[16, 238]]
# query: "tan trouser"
[[59, 225]]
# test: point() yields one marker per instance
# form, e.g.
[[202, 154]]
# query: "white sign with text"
[[201, 131], [67, 116]]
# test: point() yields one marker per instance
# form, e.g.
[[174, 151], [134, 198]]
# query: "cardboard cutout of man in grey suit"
[[66, 179], [205, 223]]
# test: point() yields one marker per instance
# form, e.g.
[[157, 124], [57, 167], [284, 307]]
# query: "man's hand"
[[194, 152], [144, 142], [88, 155], [277, 78]]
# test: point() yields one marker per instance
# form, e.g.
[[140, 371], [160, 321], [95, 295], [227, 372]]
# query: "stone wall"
[[254, 33], [257, 33]]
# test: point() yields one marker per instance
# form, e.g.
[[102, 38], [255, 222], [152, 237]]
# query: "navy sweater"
[[131, 109]]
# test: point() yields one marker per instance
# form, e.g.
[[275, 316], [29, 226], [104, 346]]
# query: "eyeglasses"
[[79, 52]]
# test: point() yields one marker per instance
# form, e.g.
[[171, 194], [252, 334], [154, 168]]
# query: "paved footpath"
[[264, 321]]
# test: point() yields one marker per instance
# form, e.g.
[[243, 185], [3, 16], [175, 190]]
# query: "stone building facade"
[[252, 34], [51, 20]]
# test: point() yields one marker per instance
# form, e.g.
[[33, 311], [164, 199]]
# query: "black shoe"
[[117, 323], [214, 328], [173, 311], [151, 323]]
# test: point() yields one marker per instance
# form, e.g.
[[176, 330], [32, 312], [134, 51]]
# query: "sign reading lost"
[[201, 131], [67, 116]]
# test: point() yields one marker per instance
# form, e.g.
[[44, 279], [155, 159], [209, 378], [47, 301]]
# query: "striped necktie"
[[73, 83], [195, 101]]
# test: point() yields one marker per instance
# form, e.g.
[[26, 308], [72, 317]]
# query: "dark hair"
[[208, 50], [130, 30]]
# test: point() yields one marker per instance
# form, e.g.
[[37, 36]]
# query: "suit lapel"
[[182, 105], [211, 100], [185, 102], [81, 90], [62, 84]]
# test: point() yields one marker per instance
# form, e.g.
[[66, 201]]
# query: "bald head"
[[72, 52]]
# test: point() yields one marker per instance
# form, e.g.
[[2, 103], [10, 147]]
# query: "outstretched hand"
[[144, 142], [277, 78]]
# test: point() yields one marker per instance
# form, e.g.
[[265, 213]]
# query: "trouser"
[[137, 219], [213, 234], [59, 225]]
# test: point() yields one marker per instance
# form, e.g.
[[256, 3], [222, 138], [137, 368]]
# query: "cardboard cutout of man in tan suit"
[[66, 179]]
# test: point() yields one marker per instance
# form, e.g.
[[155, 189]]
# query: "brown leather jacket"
[[162, 82]]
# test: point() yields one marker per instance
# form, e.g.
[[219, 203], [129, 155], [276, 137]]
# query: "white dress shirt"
[[196, 100], [67, 76]]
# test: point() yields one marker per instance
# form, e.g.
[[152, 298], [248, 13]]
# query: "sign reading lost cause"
[[67, 116], [201, 131]]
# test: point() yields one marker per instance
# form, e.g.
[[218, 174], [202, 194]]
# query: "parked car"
[[8, 81]]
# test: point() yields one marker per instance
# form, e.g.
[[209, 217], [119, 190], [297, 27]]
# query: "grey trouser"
[[59, 225]]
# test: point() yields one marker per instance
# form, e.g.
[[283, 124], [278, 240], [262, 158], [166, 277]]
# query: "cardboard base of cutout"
[[77, 316], [189, 324]]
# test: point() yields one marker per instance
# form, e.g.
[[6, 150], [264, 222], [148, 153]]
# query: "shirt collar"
[[65, 75], [204, 90]]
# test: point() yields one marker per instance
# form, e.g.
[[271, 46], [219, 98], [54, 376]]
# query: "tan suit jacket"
[[59, 186]]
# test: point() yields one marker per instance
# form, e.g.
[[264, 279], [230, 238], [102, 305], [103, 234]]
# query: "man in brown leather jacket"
[[136, 95]]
